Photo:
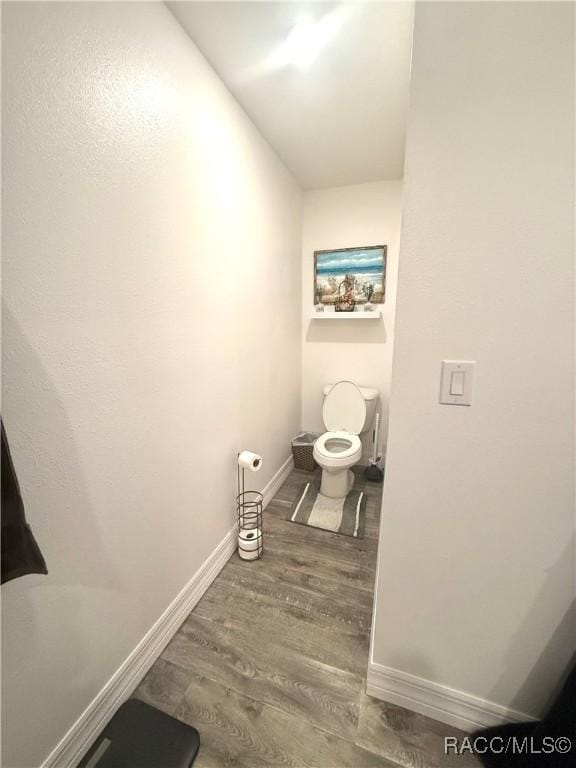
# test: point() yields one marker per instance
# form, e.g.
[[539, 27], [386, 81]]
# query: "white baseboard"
[[78, 739], [276, 481], [456, 708]]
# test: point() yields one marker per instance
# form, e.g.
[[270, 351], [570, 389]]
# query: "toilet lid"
[[344, 408]]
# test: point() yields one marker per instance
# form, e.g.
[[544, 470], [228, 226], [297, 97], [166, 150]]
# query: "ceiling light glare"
[[303, 44], [307, 38]]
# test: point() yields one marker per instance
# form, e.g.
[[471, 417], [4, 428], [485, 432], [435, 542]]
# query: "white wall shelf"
[[375, 314]]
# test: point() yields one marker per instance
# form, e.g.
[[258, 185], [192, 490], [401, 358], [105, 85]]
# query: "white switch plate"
[[456, 382]]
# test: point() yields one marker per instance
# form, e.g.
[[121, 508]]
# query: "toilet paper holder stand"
[[249, 506]]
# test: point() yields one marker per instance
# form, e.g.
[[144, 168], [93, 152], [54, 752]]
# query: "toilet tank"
[[370, 395]]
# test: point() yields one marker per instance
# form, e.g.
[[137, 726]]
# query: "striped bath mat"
[[346, 516]]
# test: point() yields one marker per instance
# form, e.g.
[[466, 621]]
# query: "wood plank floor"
[[270, 666]]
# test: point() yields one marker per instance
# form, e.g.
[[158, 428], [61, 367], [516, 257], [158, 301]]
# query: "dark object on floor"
[[20, 553], [543, 740], [140, 736], [374, 473], [303, 451]]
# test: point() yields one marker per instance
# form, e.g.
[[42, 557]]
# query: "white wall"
[[345, 217], [152, 278], [476, 562]]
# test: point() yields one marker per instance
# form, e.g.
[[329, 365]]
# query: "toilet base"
[[336, 485]]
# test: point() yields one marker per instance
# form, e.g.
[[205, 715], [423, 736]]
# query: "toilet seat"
[[344, 408], [345, 450]]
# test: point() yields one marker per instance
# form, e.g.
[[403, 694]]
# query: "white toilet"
[[348, 411]]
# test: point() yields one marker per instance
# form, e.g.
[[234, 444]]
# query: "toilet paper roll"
[[248, 539], [248, 555], [249, 460]]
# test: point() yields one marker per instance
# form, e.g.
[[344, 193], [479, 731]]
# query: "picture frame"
[[361, 269]]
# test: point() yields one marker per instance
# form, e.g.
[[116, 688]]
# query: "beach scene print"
[[363, 269]]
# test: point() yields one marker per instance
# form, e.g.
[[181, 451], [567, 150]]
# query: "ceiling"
[[342, 118]]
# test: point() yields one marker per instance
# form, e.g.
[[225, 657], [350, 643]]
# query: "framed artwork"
[[361, 270]]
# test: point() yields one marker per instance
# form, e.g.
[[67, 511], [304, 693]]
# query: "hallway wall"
[[152, 252], [347, 217], [475, 591]]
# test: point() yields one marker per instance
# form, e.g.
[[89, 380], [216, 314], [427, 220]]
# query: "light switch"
[[456, 382]]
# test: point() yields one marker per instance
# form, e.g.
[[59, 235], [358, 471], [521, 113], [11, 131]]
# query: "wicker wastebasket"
[[303, 450]]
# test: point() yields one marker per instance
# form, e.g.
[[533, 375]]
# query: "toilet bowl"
[[336, 453], [339, 449]]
